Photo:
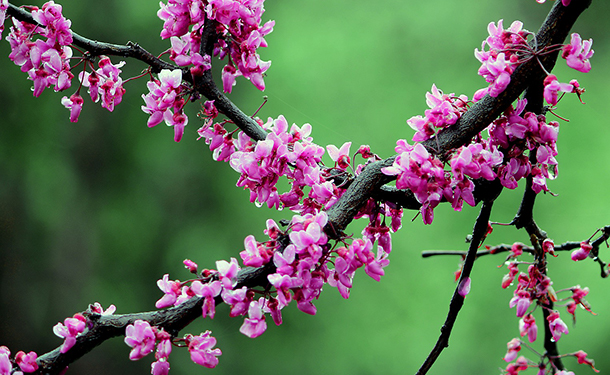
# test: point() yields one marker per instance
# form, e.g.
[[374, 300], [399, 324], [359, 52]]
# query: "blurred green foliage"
[[101, 209]]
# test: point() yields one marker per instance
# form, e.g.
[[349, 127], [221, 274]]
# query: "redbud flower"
[[582, 252], [520, 365], [464, 287], [552, 88], [581, 356], [171, 290], [238, 299], [578, 53], [522, 300], [548, 246], [74, 104], [527, 326], [3, 8], [97, 308], [159, 367], [207, 291], [255, 254], [69, 330], [141, 337], [27, 362], [190, 265], [513, 270], [201, 349], [254, 325], [340, 156], [6, 366], [514, 346], [227, 272], [556, 325]]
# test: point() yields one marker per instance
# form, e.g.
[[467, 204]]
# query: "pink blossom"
[[527, 326], [548, 246], [208, 292], [552, 87], [284, 260], [3, 8], [582, 359], [190, 265], [340, 155], [556, 325], [141, 337], [514, 346], [238, 299], [341, 277], [255, 254], [69, 330], [227, 272], [164, 102], [57, 28], [171, 290], [283, 284], [159, 367], [26, 362], [508, 279], [375, 268], [274, 308], [74, 104], [202, 349], [97, 308], [6, 366], [520, 365], [464, 287], [578, 53], [582, 252], [522, 300], [254, 325]]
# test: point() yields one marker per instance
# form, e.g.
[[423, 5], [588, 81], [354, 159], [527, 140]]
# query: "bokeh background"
[[101, 209]]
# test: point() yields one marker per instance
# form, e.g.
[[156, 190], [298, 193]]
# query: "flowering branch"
[[554, 30], [296, 261], [204, 85]]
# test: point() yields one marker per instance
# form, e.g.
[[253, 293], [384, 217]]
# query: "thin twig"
[[478, 234]]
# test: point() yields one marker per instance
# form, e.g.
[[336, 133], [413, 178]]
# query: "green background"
[[101, 209]]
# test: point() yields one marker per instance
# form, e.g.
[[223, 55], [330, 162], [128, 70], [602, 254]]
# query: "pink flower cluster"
[[142, 337], [165, 101], [445, 110], [26, 362], [104, 83], [302, 267], [499, 62], [69, 330], [240, 30], [46, 60], [288, 152], [517, 134], [425, 176], [535, 287], [531, 287]]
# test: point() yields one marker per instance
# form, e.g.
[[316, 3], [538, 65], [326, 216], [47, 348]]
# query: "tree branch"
[[554, 30], [203, 85]]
